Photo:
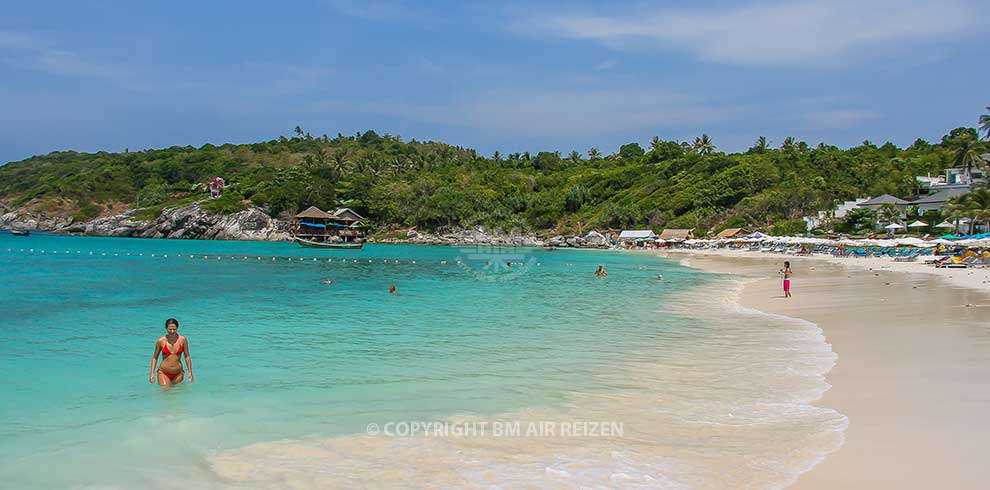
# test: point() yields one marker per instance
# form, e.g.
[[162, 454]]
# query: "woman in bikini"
[[171, 346]]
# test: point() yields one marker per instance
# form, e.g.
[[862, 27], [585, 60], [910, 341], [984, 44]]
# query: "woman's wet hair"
[[171, 321]]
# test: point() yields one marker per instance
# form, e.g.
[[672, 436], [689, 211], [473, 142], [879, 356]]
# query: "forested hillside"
[[430, 184]]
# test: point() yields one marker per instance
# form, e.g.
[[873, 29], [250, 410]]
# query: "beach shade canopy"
[[917, 224], [912, 242], [945, 224], [894, 226]]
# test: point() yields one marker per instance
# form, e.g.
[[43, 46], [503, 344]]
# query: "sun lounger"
[[954, 265]]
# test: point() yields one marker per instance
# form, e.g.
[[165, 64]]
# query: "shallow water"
[[290, 372]]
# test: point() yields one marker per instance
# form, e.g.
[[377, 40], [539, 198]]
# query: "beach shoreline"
[[913, 347]]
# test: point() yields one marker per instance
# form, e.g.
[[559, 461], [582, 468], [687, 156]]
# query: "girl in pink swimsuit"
[[786, 271]]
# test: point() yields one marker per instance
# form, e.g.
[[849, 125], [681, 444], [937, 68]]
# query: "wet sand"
[[913, 369]]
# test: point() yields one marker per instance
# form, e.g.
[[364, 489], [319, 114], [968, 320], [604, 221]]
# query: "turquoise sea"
[[290, 372]]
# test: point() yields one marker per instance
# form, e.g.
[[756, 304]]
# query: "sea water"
[[296, 381]]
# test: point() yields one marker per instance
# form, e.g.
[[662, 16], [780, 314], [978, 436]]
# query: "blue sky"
[[507, 76]]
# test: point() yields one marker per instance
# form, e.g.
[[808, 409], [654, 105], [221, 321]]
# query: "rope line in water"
[[31, 251]]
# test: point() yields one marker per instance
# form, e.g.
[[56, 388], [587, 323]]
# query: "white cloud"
[[773, 33], [246, 80], [27, 51], [606, 65]]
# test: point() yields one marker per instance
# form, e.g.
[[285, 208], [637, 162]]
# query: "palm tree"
[[977, 204], [956, 209], [703, 145], [761, 145], [594, 153], [497, 156], [985, 123], [789, 144], [967, 153], [655, 143], [339, 163], [299, 131], [889, 213], [574, 157], [974, 205]]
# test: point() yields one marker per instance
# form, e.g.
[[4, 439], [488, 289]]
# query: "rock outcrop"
[[468, 237], [32, 220], [188, 222], [483, 237], [195, 223]]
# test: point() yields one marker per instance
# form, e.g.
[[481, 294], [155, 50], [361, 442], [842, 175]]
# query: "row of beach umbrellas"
[[919, 224]]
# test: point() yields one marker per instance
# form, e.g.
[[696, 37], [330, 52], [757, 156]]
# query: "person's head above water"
[[392, 290], [171, 326]]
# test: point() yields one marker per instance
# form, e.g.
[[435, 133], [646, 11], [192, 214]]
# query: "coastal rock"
[[186, 222], [595, 239], [530, 241], [574, 241], [120, 225], [477, 236], [31, 220]]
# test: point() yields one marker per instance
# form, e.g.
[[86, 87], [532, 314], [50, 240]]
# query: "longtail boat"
[[311, 244]]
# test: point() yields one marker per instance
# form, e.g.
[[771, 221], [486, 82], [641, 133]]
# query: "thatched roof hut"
[[732, 233], [677, 233], [314, 212]]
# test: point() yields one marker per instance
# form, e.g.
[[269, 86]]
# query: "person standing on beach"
[[786, 271], [171, 346]]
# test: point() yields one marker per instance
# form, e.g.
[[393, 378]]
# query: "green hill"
[[430, 184]]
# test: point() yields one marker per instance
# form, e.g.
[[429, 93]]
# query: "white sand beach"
[[913, 368]]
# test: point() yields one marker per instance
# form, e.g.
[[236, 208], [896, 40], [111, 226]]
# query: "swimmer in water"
[[327, 281], [171, 347], [601, 271], [659, 277], [392, 290]]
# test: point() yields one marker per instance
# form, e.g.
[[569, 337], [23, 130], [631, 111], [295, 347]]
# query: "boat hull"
[[339, 245], [20, 232]]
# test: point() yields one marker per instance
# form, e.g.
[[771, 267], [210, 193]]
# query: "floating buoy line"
[[240, 258]]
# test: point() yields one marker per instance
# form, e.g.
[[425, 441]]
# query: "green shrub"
[[789, 227], [151, 196], [87, 212], [228, 203]]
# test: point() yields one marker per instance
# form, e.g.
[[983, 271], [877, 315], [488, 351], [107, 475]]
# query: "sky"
[[489, 75]]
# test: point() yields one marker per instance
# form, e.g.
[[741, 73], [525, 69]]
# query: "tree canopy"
[[431, 184]]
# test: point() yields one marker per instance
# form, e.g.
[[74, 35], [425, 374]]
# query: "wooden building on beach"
[[318, 226], [732, 233], [677, 233]]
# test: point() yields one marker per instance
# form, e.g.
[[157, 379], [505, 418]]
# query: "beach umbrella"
[[894, 226], [917, 224], [945, 224]]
